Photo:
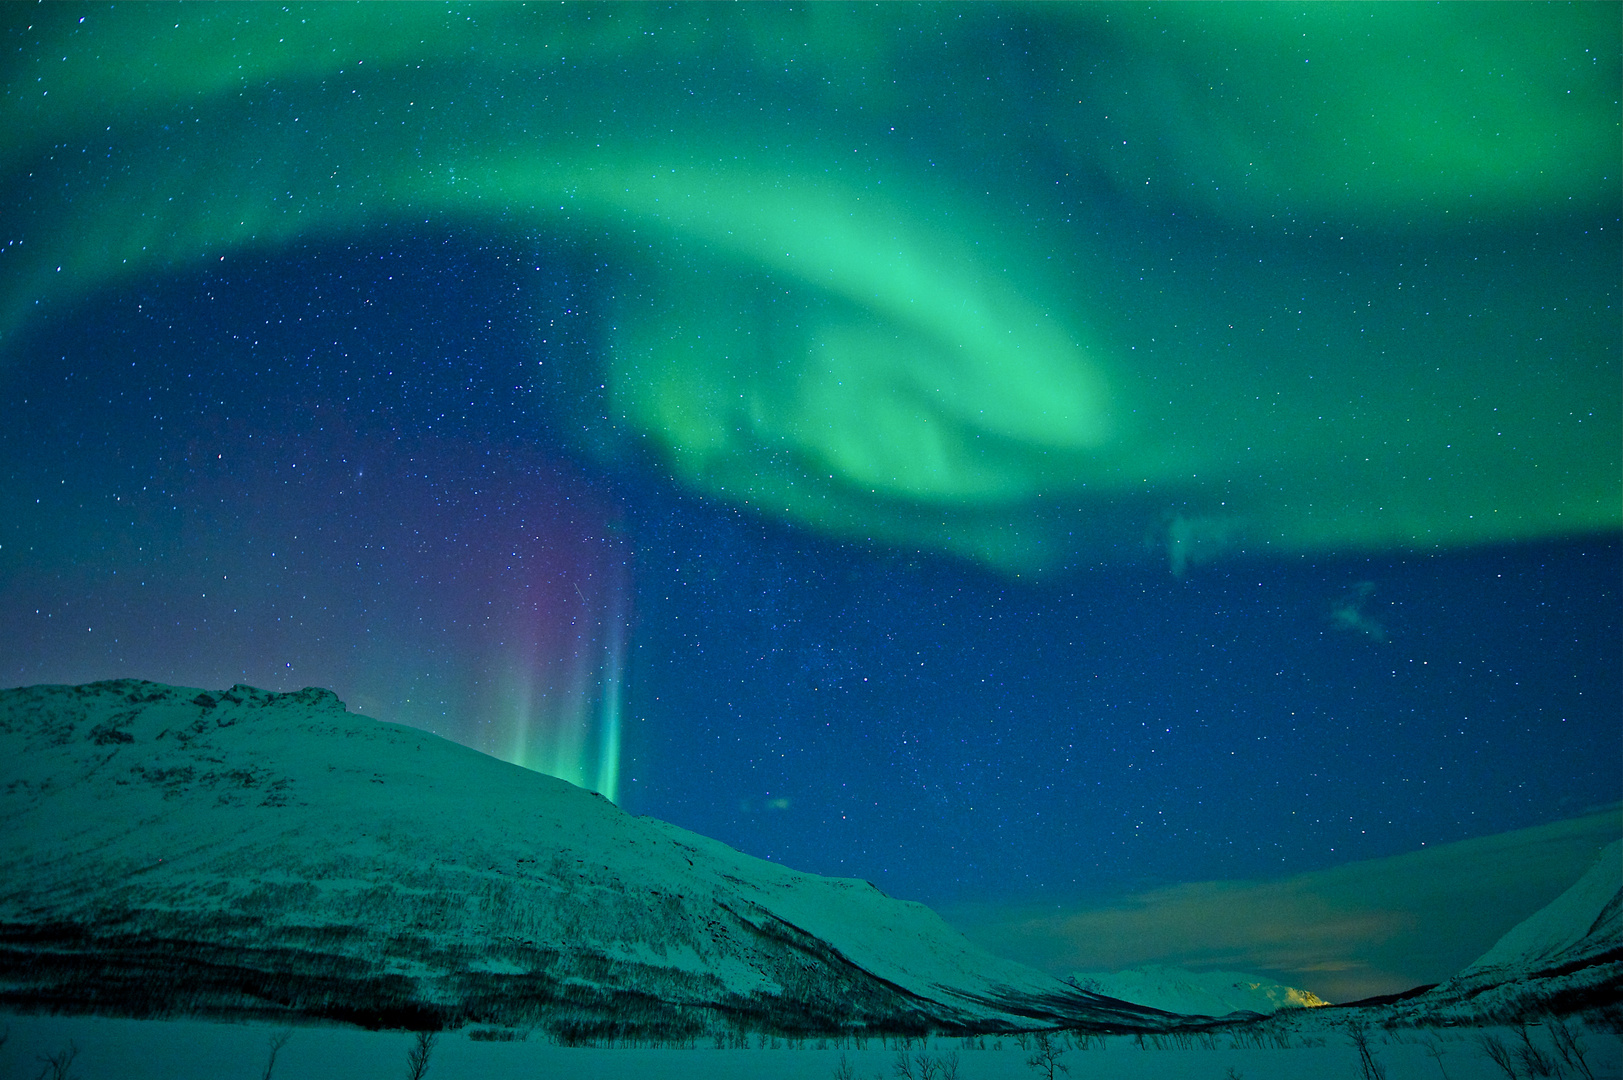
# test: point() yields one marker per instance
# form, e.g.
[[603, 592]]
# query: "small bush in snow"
[[1372, 1069], [59, 1066], [1569, 1043], [277, 1041], [1499, 1054], [417, 1057], [1535, 1062], [1045, 1054]]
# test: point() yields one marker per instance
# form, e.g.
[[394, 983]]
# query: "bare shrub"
[[277, 1041], [1358, 1032], [417, 1057], [1569, 1043], [59, 1066], [1536, 1062], [1433, 1046], [920, 1065], [928, 1066], [1045, 1054], [1499, 1054]]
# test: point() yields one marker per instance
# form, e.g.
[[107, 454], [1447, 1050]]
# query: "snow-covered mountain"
[[1583, 923], [1205, 993], [1565, 957], [167, 850]]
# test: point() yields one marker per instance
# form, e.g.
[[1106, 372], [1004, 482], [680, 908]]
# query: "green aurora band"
[[1029, 285]]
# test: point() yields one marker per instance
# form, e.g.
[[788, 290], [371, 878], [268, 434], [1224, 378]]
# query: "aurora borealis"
[[900, 441]]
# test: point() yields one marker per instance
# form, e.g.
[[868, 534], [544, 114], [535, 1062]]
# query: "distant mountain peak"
[[1205, 993]]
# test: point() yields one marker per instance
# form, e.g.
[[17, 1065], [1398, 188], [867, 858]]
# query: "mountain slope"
[[1584, 922], [245, 853], [1565, 957]]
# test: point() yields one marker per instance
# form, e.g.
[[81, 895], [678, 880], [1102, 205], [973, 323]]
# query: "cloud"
[[1348, 614], [1365, 928]]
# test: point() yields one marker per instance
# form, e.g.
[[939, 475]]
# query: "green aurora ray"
[[1023, 284]]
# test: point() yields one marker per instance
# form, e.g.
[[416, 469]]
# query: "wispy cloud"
[[1365, 928]]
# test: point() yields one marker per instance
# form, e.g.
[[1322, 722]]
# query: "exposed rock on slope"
[[245, 853]]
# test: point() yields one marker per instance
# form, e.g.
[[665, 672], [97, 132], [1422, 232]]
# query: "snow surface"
[[196, 1050], [239, 852], [1207, 993]]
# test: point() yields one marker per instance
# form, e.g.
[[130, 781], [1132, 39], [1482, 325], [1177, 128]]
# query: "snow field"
[[118, 1049]]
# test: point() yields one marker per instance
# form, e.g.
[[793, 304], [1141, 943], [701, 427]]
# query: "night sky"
[[403, 456]]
